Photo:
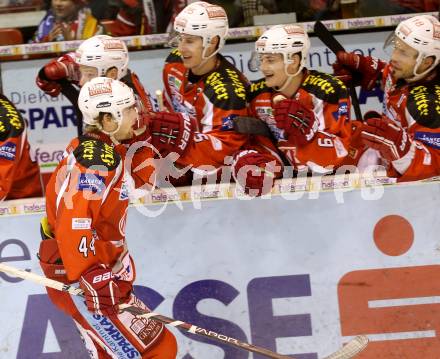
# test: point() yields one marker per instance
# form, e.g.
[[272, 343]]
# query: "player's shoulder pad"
[[325, 86], [256, 88], [11, 121], [92, 152], [423, 104], [226, 88], [173, 57]]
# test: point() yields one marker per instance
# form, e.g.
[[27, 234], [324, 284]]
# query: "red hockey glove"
[[100, 290], [171, 132], [64, 67], [357, 70], [298, 122], [254, 172], [387, 137], [52, 88], [61, 68]]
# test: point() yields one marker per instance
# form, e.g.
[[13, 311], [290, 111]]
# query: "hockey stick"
[[330, 41], [351, 349], [251, 126]]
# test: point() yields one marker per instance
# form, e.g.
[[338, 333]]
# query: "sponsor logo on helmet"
[[100, 89], [293, 29], [215, 12], [405, 30], [260, 43], [436, 33], [113, 44], [181, 22], [103, 104]]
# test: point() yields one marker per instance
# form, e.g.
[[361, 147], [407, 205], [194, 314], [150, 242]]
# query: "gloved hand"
[[298, 122], [357, 70], [59, 69], [384, 135], [258, 178], [101, 290], [171, 132]]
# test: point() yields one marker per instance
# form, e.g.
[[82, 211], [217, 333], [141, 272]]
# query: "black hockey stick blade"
[[251, 126], [330, 41]]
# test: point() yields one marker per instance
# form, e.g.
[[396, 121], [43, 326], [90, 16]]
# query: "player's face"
[[64, 9], [273, 69], [403, 60], [129, 119], [191, 49], [87, 73]]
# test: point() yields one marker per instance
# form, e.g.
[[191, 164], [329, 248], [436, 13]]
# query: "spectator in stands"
[[137, 17], [306, 10], [67, 20], [19, 174], [418, 5]]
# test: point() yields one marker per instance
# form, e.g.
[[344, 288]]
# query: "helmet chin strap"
[[418, 76], [288, 80]]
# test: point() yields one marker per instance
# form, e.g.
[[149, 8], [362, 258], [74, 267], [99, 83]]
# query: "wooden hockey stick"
[[330, 41], [348, 351]]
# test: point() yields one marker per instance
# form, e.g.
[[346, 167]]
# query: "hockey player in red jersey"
[[203, 93], [100, 55], [407, 133], [307, 111], [84, 235], [19, 173]]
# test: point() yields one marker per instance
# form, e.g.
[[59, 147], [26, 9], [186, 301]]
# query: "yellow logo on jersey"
[[88, 149], [12, 115], [107, 155], [239, 88], [437, 100], [320, 82], [215, 80], [420, 95]]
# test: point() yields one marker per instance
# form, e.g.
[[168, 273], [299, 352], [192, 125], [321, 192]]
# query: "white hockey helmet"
[[205, 20], [286, 40], [103, 52], [422, 33], [103, 94]]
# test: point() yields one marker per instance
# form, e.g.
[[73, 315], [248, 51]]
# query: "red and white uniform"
[[86, 211], [328, 98], [19, 173], [211, 102], [416, 107]]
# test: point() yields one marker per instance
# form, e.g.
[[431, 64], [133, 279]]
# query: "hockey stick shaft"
[[350, 350], [137, 311], [335, 46]]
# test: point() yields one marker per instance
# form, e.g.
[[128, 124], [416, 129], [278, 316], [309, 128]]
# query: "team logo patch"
[[430, 139], [8, 151], [228, 123], [81, 223], [293, 29], [123, 194], [343, 109], [91, 182]]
